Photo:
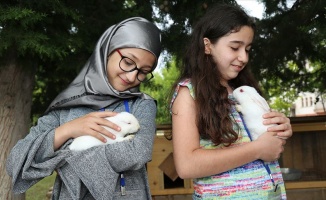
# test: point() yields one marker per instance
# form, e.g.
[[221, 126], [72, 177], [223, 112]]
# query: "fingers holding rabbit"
[[283, 127], [270, 147], [90, 124], [128, 124]]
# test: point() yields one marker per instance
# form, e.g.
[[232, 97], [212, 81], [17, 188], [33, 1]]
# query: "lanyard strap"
[[122, 178], [126, 105], [264, 164]]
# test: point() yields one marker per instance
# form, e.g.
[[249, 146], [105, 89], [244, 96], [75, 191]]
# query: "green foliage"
[[160, 88], [291, 34], [55, 39], [283, 93], [31, 33], [284, 102], [27, 17]]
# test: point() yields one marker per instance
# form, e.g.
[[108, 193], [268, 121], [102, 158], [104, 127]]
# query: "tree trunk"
[[16, 86]]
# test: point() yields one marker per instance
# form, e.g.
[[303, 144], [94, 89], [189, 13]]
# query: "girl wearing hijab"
[[124, 56]]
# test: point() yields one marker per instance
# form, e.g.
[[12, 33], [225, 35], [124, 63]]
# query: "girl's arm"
[[99, 167], [89, 124], [128, 155], [193, 162], [32, 158], [134, 154]]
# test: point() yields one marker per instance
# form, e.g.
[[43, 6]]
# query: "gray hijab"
[[91, 87]]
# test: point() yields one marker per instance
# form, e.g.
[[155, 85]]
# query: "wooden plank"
[[161, 151], [305, 184], [188, 183], [307, 150], [286, 157], [297, 157], [155, 179], [171, 191], [313, 126], [320, 146]]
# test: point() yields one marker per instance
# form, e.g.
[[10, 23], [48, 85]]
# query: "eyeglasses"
[[128, 65]]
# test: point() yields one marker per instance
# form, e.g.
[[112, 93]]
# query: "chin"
[[233, 76]]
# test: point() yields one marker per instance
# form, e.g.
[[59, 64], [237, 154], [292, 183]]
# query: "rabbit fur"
[[128, 124], [253, 107]]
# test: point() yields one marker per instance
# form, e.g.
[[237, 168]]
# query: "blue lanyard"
[[122, 178], [265, 165], [126, 105]]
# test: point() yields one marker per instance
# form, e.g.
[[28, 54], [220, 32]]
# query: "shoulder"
[[140, 102], [183, 96], [186, 83], [183, 92], [140, 106]]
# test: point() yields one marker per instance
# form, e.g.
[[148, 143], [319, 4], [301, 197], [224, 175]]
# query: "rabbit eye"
[[241, 90]]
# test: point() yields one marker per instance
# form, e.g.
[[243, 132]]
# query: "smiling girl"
[[124, 56], [210, 143]]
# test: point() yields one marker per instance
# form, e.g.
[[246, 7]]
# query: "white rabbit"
[[253, 107], [128, 124]]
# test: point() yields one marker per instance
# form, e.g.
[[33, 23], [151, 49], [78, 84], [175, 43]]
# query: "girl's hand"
[[283, 129], [90, 124], [270, 147]]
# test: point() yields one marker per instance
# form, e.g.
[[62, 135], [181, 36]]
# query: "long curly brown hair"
[[212, 102]]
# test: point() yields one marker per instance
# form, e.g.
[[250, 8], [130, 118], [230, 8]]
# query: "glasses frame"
[[135, 68]]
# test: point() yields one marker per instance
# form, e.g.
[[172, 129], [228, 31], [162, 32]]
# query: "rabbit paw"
[[129, 137], [238, 107]]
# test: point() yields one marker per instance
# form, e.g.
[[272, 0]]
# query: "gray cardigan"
[[90, 174]]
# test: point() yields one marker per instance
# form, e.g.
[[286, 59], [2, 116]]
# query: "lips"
[[238, 68], [124, 82]]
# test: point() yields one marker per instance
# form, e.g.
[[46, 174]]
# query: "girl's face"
[[121, 80], [231, 52]]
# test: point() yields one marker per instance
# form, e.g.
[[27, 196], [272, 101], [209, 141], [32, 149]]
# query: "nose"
[[243, 56], [132, 76]]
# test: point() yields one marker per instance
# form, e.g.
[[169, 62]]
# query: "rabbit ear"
[[255, 96]]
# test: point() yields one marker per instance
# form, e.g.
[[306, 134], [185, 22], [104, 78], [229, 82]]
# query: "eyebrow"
[[240, 42]]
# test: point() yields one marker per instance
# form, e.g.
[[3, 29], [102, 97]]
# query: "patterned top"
[[250, 181]]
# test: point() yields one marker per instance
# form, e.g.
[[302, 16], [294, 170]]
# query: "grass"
[[39, 190]]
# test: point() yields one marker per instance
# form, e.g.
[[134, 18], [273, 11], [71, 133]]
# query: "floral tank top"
[[250, 181]]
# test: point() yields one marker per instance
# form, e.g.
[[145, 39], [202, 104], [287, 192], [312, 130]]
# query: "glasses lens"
[[143, 77], [127, 65]]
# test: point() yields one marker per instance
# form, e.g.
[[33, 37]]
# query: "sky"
[[252, 7]]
